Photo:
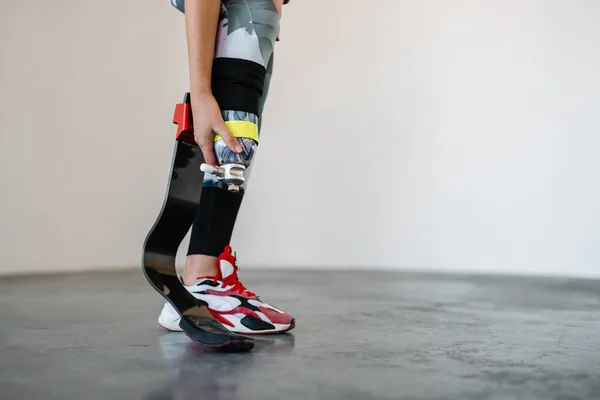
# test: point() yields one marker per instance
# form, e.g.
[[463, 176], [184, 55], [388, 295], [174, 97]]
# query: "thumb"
[[228, 137]]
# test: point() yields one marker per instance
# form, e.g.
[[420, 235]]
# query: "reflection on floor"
[[359, 336]]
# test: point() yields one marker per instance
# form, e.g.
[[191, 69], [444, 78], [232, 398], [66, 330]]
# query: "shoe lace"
[[237, 286], [233, 280]]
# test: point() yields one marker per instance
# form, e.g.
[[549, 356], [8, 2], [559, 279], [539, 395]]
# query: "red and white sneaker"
[[228, 300]]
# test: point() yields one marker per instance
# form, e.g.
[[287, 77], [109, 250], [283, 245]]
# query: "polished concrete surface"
[[358, 336]]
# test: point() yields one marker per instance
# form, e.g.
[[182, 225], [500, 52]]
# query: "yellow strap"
[[242, 129]]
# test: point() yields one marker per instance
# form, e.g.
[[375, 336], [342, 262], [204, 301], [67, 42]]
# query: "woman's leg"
[[241, 76], [240, 79]]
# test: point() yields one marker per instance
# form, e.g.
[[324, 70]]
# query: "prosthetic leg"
[[174, 220]]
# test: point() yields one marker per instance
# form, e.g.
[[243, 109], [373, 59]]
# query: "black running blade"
[[160, 249]]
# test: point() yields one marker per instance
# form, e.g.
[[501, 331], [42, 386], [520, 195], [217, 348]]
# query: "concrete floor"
[[358, 336]]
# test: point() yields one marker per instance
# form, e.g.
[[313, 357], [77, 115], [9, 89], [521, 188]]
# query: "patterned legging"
[[247, 32]]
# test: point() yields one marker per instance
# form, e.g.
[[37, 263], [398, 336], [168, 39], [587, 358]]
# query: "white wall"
[[88, 90], [421, 134]]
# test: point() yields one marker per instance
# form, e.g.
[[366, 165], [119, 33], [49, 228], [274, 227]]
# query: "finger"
[[228, 137], [206, 145]]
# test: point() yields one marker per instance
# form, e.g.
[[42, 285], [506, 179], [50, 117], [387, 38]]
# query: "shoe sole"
[[170, 320], [277, 332]]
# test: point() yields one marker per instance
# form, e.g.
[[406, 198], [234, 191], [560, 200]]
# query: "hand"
[[208, 122]]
